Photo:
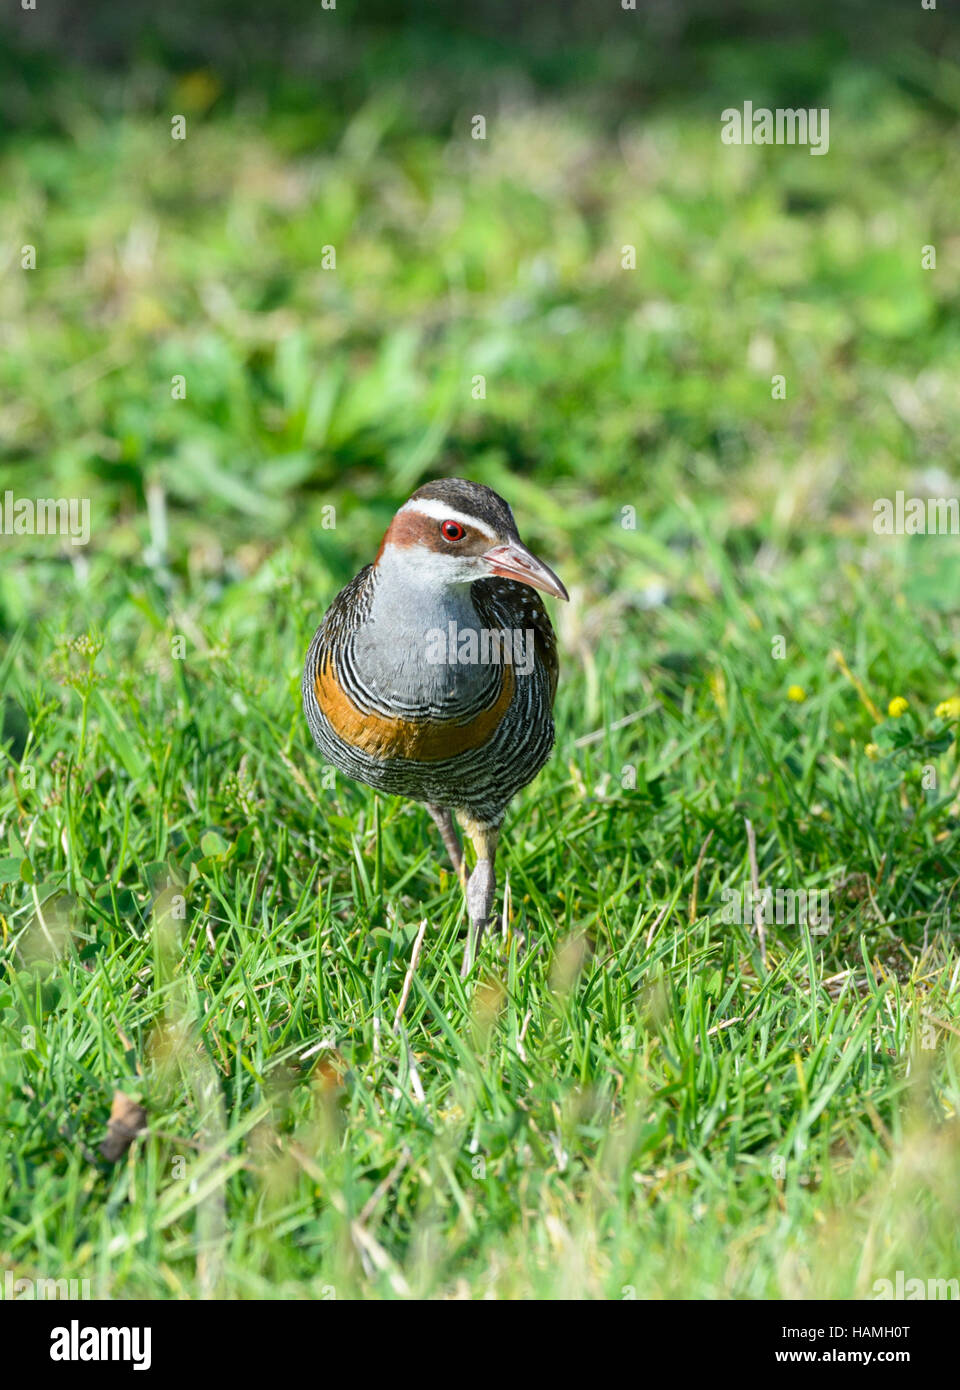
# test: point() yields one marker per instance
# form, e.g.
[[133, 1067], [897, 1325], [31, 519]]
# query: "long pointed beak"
[[514, 561]]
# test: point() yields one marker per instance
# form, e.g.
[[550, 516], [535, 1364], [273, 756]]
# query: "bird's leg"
[[443, 819], [481, 886]]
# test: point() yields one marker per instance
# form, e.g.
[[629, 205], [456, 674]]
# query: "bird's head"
[[454, 532]]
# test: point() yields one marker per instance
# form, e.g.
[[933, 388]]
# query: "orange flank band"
[[421, 740]]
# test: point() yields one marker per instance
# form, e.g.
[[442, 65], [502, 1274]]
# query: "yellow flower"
[[949, 709], [197, 90], [871, 750], [897, 706], [797, 694]]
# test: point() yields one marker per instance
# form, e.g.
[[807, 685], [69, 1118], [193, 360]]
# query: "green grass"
[[632, 1138], [625, 1096]]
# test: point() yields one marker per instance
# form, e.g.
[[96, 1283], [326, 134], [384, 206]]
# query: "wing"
[[347, 611], [506, 603]]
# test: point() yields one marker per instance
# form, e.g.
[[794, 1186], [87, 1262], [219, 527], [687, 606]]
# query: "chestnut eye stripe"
[[442, 511]]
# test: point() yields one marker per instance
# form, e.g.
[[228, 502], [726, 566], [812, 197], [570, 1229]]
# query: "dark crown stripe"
[[472, 498]]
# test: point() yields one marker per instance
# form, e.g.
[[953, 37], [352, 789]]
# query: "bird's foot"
[[481, 888], [443, 819]]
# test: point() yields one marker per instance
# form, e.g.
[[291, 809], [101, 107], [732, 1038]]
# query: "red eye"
[[452, 531]]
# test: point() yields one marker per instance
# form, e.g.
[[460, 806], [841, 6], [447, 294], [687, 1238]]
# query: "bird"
[[434, 671]]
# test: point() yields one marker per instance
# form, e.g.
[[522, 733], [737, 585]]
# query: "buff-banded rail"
[[434, 671]]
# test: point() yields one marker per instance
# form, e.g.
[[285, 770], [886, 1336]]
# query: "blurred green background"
[[456, 257]]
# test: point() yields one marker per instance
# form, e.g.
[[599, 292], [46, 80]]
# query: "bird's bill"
[[514, 561]]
